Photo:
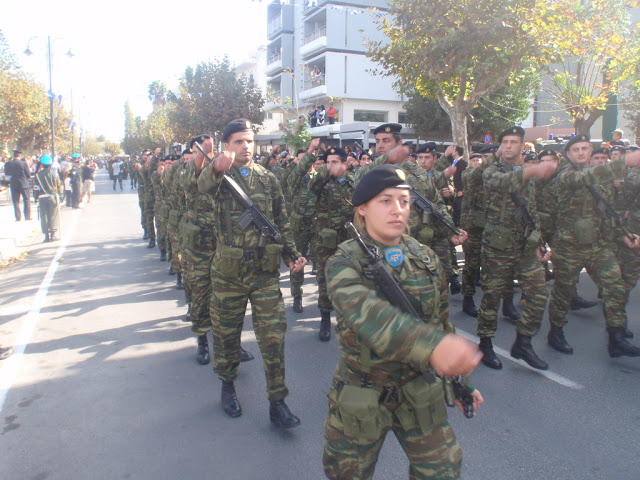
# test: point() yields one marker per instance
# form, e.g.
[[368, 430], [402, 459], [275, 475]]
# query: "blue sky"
[[122, 46]]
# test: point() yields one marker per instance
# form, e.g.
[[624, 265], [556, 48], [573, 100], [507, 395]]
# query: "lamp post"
[[50, 94]]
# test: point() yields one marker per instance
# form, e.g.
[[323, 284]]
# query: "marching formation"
[[225, 222]]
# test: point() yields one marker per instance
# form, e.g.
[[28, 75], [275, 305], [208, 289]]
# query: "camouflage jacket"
[[578, 220], [176, 192], [378, 342], [303, 199], [198, 204], [264, 190], [333, 199]]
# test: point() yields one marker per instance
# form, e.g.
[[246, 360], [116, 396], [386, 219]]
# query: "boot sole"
[[523, 357], [286, 426]]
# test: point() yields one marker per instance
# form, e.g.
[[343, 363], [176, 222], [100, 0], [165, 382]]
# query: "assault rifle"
[[426, 205], [251, 214], [453, 387], [604, 208]]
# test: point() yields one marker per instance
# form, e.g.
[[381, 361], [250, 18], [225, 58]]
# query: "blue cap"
[[45, 159], [75, 155]]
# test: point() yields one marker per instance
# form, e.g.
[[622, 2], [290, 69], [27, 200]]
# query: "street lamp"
[[69, 54]]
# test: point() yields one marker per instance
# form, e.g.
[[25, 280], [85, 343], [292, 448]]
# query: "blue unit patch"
[[394, 256], [341, 180], [244, 171]]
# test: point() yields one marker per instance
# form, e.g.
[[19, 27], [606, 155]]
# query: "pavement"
[[14, 236]]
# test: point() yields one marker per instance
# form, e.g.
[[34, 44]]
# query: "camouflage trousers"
[[441, 247], [176, 254], [322, 256], [141, 204], [305, 242], [472, 249], [629, 262], [184, 262], [148, 215], [198, 273], [601, 263], [435, 454], [499, 267], [161, 227], [228, 308]]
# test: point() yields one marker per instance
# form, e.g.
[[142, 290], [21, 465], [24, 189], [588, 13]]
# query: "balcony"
[[314, 42], [274, 26], [274, 63], [314, 87]]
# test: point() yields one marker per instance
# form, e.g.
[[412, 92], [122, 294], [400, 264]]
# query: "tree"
[[132, 141], [158, 130], [112, 148], [296, 135], [92, 148], [460, 52], [601, 55], [157, 91]]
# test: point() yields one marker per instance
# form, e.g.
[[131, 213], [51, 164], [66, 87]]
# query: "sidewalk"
[[13, 234]]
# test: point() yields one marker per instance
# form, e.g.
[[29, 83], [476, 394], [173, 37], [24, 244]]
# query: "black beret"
[[601, 151], [518, 131], [475, 155], [618, 148], [530, 156], [388, 128], [199, 139], [17, 152], [374, 182], [235, 126], [334, 151], [429, 147], [300, 150], [576, 139], [487, 149], [167, 157], [187, 151], [546, 153]]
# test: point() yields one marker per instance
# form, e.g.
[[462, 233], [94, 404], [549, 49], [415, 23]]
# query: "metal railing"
[[274, 25], [276, 57], [320, 32], [313, 82]]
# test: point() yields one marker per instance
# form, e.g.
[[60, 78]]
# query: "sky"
[[120, 47]]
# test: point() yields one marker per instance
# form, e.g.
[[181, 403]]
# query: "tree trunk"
[[458, 117], [583, 125]]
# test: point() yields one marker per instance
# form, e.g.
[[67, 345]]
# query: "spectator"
[[88, 180], [331, 113], [19, 172], [320, 113], [117, 173], [76, 182], [66, 181]]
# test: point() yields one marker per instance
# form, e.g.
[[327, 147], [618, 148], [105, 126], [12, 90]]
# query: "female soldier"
[[385, 375]]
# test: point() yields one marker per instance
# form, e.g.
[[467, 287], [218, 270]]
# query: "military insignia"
[[517, 167], [244, 171], [341, 180], [394, 256], [333, 150], [401, 174]]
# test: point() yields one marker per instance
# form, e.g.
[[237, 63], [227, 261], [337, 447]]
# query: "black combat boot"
[[145, 236], [325, 326], [509, 310], [171, 272], [203, 350], [522, 349], [578, 303], [297, 304], [557, 341], [179, 285], [628, 333], [618, 346], [163, 255], [454, 285], [490, 359], [229, 400], [152, 243], [245, 356], [47, 239], [468, 306], [281, 416]]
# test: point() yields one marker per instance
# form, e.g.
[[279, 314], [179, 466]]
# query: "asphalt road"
[[104, 382]]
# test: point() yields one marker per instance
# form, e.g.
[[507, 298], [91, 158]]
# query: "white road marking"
[[11, 365], [545, 373]]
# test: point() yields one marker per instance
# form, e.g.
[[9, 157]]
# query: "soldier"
[[159, 205], [133, 171], [333, 186], [246, 267], [578, 243], [150, 165], [628, 258], [303, 216], [47, 185], [547, 204], [511, 248], [177, 208], [379, 383], [138, 167]]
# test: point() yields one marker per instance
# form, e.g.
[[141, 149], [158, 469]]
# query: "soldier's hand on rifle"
[[314, 146], [544, 255], [398, 154], [454, 356], [298, 265], [223, 162], [632, 243], [459, 239], [447, 191], [478, 400]]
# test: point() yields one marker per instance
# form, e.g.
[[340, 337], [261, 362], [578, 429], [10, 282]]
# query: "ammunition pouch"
[[533, 240], [478, 218], [361, 413], [327, 238], [584, 231], [271, 257], [148, 197], [173, 220], [164, 210], [230, 259], [499, 237], [426, 402], [295, 219], [190, 235], [425, 235], [546, 221]]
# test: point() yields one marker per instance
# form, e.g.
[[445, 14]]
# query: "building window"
[[369, 116], [269, 115], [402, 117]]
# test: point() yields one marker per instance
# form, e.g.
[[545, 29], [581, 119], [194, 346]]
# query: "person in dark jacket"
[[19, 172]]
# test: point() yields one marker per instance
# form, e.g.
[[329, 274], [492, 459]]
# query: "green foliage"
[[296, 135], [112, 148]]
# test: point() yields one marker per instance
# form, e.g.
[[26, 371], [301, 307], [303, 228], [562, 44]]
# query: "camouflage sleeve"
[[385, 329], [362, 171], [494, 179], [300, 170], [281, 218], [318, 181], [208, 181], [570, 178]]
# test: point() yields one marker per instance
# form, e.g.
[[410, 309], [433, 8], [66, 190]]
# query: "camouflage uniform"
[[158, 208], [303, 215], [333, 204], [383, 354], [200, 252], [177, 207], [242, 270], [579, 243], [507, 253], [629, 259], [148, 197], [472, 220]]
